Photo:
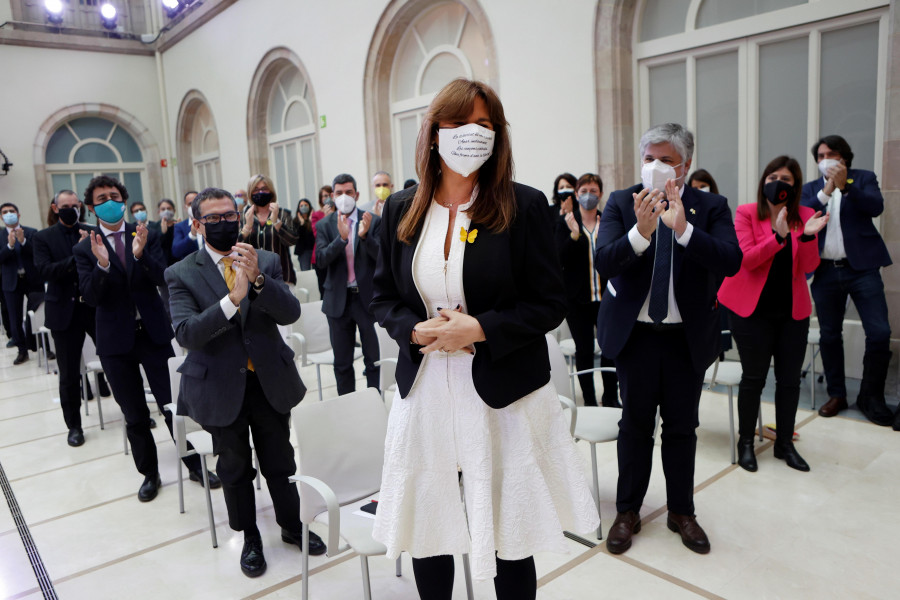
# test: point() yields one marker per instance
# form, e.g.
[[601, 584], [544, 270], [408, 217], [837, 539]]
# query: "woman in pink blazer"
[[770, 304]]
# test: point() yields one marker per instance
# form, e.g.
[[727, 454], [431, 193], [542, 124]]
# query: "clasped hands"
[[246, 269], [451, 331], [665, 204]]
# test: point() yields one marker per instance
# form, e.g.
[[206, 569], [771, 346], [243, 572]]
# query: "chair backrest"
[[562, 332], [559, 370], [88, 350], [36, 317], [387, 346], [313, 324], [309, 282], [341, 442]]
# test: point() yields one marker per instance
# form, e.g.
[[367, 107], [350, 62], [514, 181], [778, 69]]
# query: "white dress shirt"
[[833, 249]]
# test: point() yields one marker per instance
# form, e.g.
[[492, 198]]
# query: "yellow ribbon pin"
[[849, 181], [463, 237]]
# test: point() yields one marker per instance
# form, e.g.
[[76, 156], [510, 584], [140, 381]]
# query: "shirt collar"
[[215, 256], [107, 231]]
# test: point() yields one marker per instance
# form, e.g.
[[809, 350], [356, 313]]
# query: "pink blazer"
[[741, 292]]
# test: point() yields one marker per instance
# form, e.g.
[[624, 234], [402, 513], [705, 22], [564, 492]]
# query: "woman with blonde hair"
[[468, 283], [268, 227]]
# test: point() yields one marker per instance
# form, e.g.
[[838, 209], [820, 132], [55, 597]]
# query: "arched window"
[[282, 127], [198, 144], [755, 79], [85, 147], [419, 46]]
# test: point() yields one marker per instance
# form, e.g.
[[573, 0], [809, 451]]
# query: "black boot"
[[897, 420], [786, 451], [871, 390], [746, 456]]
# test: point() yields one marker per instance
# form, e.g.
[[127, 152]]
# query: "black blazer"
[[9, 261], [711, 255], [513, 287], [861, 201], [330, 255], [55, 261], [575, 259], [118, 293]]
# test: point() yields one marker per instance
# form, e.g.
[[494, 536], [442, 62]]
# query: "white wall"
[[37, 82]]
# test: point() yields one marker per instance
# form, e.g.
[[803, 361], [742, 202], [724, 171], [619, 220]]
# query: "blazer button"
[[243, 369], [247, 341]]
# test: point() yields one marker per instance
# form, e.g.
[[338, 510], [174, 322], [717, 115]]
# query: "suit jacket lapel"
[[127, 238], [210, 273]]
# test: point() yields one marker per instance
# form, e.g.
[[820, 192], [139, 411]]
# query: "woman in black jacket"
[[306, 239], [468, 283], [576, 239]]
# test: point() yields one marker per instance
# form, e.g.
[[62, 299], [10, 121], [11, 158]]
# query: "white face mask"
[[345, 203], [464, 149], [827, 163], [704, 188], [654, 174]]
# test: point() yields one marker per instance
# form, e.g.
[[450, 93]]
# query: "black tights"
[[515, 580]]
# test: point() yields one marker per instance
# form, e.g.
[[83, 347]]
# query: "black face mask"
[[778, 192], [262, 198], [69, 216], [223, 235]]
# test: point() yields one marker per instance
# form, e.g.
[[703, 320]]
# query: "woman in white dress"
[[468, 283]]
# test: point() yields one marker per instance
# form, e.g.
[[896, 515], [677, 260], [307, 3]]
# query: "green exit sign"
[[322, 122]]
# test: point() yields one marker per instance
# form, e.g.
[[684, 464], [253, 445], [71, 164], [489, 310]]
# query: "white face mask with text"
[[464, 149]]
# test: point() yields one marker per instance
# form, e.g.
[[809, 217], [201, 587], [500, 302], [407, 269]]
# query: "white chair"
[[314, 340], [339, 470], [729, 373], [388, 352], [36, 320], [90, 363], [307, 288], [812, 341], [593, 424]]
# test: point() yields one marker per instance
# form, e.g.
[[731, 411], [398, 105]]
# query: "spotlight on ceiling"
[[173, 7], [109, 15], [54, 10]]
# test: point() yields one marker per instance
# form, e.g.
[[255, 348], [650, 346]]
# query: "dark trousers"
[[271, 437], [124, 376], [343, 341], [655, 369], [582, 321], [515, 580], [69, 343], [16, 307], [5, 315], [759, 338], [830, 289]]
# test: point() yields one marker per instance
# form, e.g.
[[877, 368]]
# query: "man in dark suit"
[[66, 314], [184, 236], [119, 266], [665, 248], [20, 278], [227, 301], [851, 252], [347, 247]]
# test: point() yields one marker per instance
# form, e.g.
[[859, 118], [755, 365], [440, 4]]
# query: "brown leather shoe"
[[618, 540], [692, 535], [833, 407]]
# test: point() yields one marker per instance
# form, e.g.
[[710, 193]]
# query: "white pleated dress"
[[523, 478]]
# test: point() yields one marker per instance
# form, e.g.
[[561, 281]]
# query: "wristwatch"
[[260, 281]]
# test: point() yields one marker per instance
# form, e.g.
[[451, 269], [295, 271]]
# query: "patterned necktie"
[[229, 281], [119, 246], [348, 252], [659, 288]]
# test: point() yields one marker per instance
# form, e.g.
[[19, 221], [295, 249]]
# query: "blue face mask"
[[110, 211], [10, 218], [140, 216]]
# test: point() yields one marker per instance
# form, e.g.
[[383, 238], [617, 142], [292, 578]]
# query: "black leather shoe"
[[873, 407], [152, 423], [149, 488], [692, 535], [11, 344], [76, 437], [790, 456], [51, 355], [746, 456], [897, 420], [316, 545], [618, 540], [104, 388], [22, 357], [253, 563], [214, 481]]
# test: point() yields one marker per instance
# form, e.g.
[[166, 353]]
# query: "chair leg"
[[759, 418], [596, 488], [100, 401], [180, 483], [304, 558], [399, 567], [812, 372], [209, 508], [367, 586], [467, 570], [319, 380], [45, 339], [256, 466], [84, 396], [731, 423]]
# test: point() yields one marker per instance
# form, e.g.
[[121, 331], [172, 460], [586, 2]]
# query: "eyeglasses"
[[229, 217]]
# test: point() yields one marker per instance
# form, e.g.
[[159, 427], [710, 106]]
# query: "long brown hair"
[[495, 206], [793, 203]]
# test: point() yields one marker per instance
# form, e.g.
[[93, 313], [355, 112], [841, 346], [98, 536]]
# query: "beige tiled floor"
[[830, 533]]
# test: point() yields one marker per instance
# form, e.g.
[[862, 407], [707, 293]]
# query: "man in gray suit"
[[239, 376], [346, 248]]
